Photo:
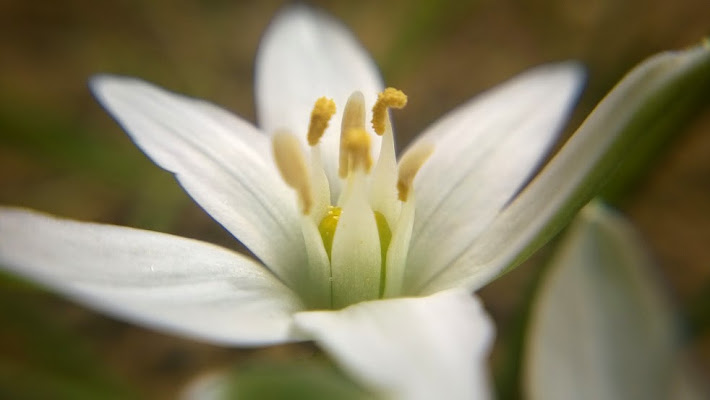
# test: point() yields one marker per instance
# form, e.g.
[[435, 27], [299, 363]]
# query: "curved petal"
[[223, 162], [484, 152], [413, 348], [601, 327], [305, 55], [654, 95], [161, 281]]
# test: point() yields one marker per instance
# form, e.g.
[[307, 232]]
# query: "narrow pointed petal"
[[318, 270], [398, 251], [356, 256], [657, 94], [484, 152], [161, 281], [413, 348], [383, 184], [223, 162], [601, 327], [304, 55]]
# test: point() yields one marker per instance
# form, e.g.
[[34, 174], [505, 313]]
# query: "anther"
[[322, 112], [389, 98], [355, 144], [409, 165], [291, 163]]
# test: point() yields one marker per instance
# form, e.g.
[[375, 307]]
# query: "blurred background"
[[61, 153]]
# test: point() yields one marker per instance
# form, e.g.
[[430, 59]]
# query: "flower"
[[372, 259]]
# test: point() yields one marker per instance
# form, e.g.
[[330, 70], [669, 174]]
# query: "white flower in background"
[[602, 326], [346, 237]]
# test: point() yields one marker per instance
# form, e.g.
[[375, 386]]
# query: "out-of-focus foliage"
[[41, 358]]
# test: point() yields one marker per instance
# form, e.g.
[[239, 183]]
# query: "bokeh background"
[[61, 153]]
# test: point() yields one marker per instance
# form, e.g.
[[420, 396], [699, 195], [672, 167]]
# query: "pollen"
[[356, 146], [291, 163], [389, 98], [409, 165], [322, 112]]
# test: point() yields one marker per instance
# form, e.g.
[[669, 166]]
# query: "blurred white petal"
[[166, 282], [601, 327], [410, 348]]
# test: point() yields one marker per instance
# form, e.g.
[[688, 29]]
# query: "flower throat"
[[357, 247]]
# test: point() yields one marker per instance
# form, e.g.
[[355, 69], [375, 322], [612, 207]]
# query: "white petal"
[[655, 89], [484, 152], [305, 55], [601, 327], [318, 271], [165, 282], [224, 163], [397, 252], [410, 348], [356, 260]]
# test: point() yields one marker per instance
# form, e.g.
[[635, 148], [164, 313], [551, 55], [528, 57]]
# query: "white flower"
[[445, 233]]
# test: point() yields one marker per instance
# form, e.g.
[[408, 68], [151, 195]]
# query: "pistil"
[[358, 247]]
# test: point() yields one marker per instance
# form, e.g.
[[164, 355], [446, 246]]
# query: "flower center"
[[357, 247]]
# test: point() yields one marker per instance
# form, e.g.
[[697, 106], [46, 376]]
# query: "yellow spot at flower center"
[[327, 228], [385, 238], [329, 224]]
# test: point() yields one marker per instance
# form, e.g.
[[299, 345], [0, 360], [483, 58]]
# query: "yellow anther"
[[353, 119], [322, 112], [389, 98], [293, 168], [409, 165], [355, 143]]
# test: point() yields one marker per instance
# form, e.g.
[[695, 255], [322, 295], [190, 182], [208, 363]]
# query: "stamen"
[[409, 165], [355, 144], [353, 118], [389, 98], [293, 168], [322, 112]]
